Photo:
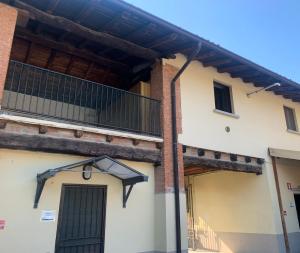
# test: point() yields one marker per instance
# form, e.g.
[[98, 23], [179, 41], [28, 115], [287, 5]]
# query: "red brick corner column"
[[165, 230], [8, 19], [161, 77]]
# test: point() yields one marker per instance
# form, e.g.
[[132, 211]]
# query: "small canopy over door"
[[105, 164]]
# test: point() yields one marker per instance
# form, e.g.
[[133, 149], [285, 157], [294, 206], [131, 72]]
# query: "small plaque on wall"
[[48, 215]]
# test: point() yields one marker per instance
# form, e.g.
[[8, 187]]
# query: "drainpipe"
[[175, 145]]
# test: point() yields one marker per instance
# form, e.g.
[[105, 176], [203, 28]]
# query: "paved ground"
[[203, 251]]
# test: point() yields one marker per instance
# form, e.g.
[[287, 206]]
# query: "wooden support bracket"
[[109, 138], [78, 133], [135, 142], [43, 129]]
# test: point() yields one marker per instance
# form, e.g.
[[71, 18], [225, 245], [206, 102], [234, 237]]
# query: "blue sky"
[[264, 31]]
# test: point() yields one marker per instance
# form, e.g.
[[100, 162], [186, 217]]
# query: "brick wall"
[[161, 77], [8, 19]]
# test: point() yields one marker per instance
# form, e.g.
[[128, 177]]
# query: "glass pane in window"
[[290, 118], [222, 97]]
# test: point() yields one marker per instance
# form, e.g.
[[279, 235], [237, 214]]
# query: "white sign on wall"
[[48, 215]]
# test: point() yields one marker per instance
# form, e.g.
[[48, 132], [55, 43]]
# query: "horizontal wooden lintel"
[[78, 147], [216, 164]]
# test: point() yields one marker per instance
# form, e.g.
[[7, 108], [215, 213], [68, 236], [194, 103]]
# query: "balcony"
[[41, 93]]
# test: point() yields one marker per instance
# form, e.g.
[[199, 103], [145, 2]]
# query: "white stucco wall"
[[231, 214], [127, 230], [260, 124]]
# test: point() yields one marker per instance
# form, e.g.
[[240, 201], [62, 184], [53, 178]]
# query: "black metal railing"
[[44, 93]]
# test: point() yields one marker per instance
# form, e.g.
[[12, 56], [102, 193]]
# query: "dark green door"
[[81, 221]]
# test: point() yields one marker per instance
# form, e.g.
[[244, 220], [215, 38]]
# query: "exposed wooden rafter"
[[98, 37], [69, 49]]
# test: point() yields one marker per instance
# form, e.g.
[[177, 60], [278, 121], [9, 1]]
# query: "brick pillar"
[[165, 236], [8, 19]]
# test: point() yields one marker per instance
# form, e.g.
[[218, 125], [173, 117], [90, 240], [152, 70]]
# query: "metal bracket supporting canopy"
[[104, 164]]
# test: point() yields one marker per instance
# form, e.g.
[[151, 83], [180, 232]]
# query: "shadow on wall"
[[202, 237]]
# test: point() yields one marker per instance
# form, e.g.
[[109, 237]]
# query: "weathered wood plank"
[[77, 147], [198, 170], [192, 161]]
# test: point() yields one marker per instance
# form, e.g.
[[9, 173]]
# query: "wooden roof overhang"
[[115, 35]]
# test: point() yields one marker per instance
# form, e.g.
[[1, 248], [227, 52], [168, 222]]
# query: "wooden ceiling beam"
[[98, 37], [216, 62], [197, 170], [69, 49]]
